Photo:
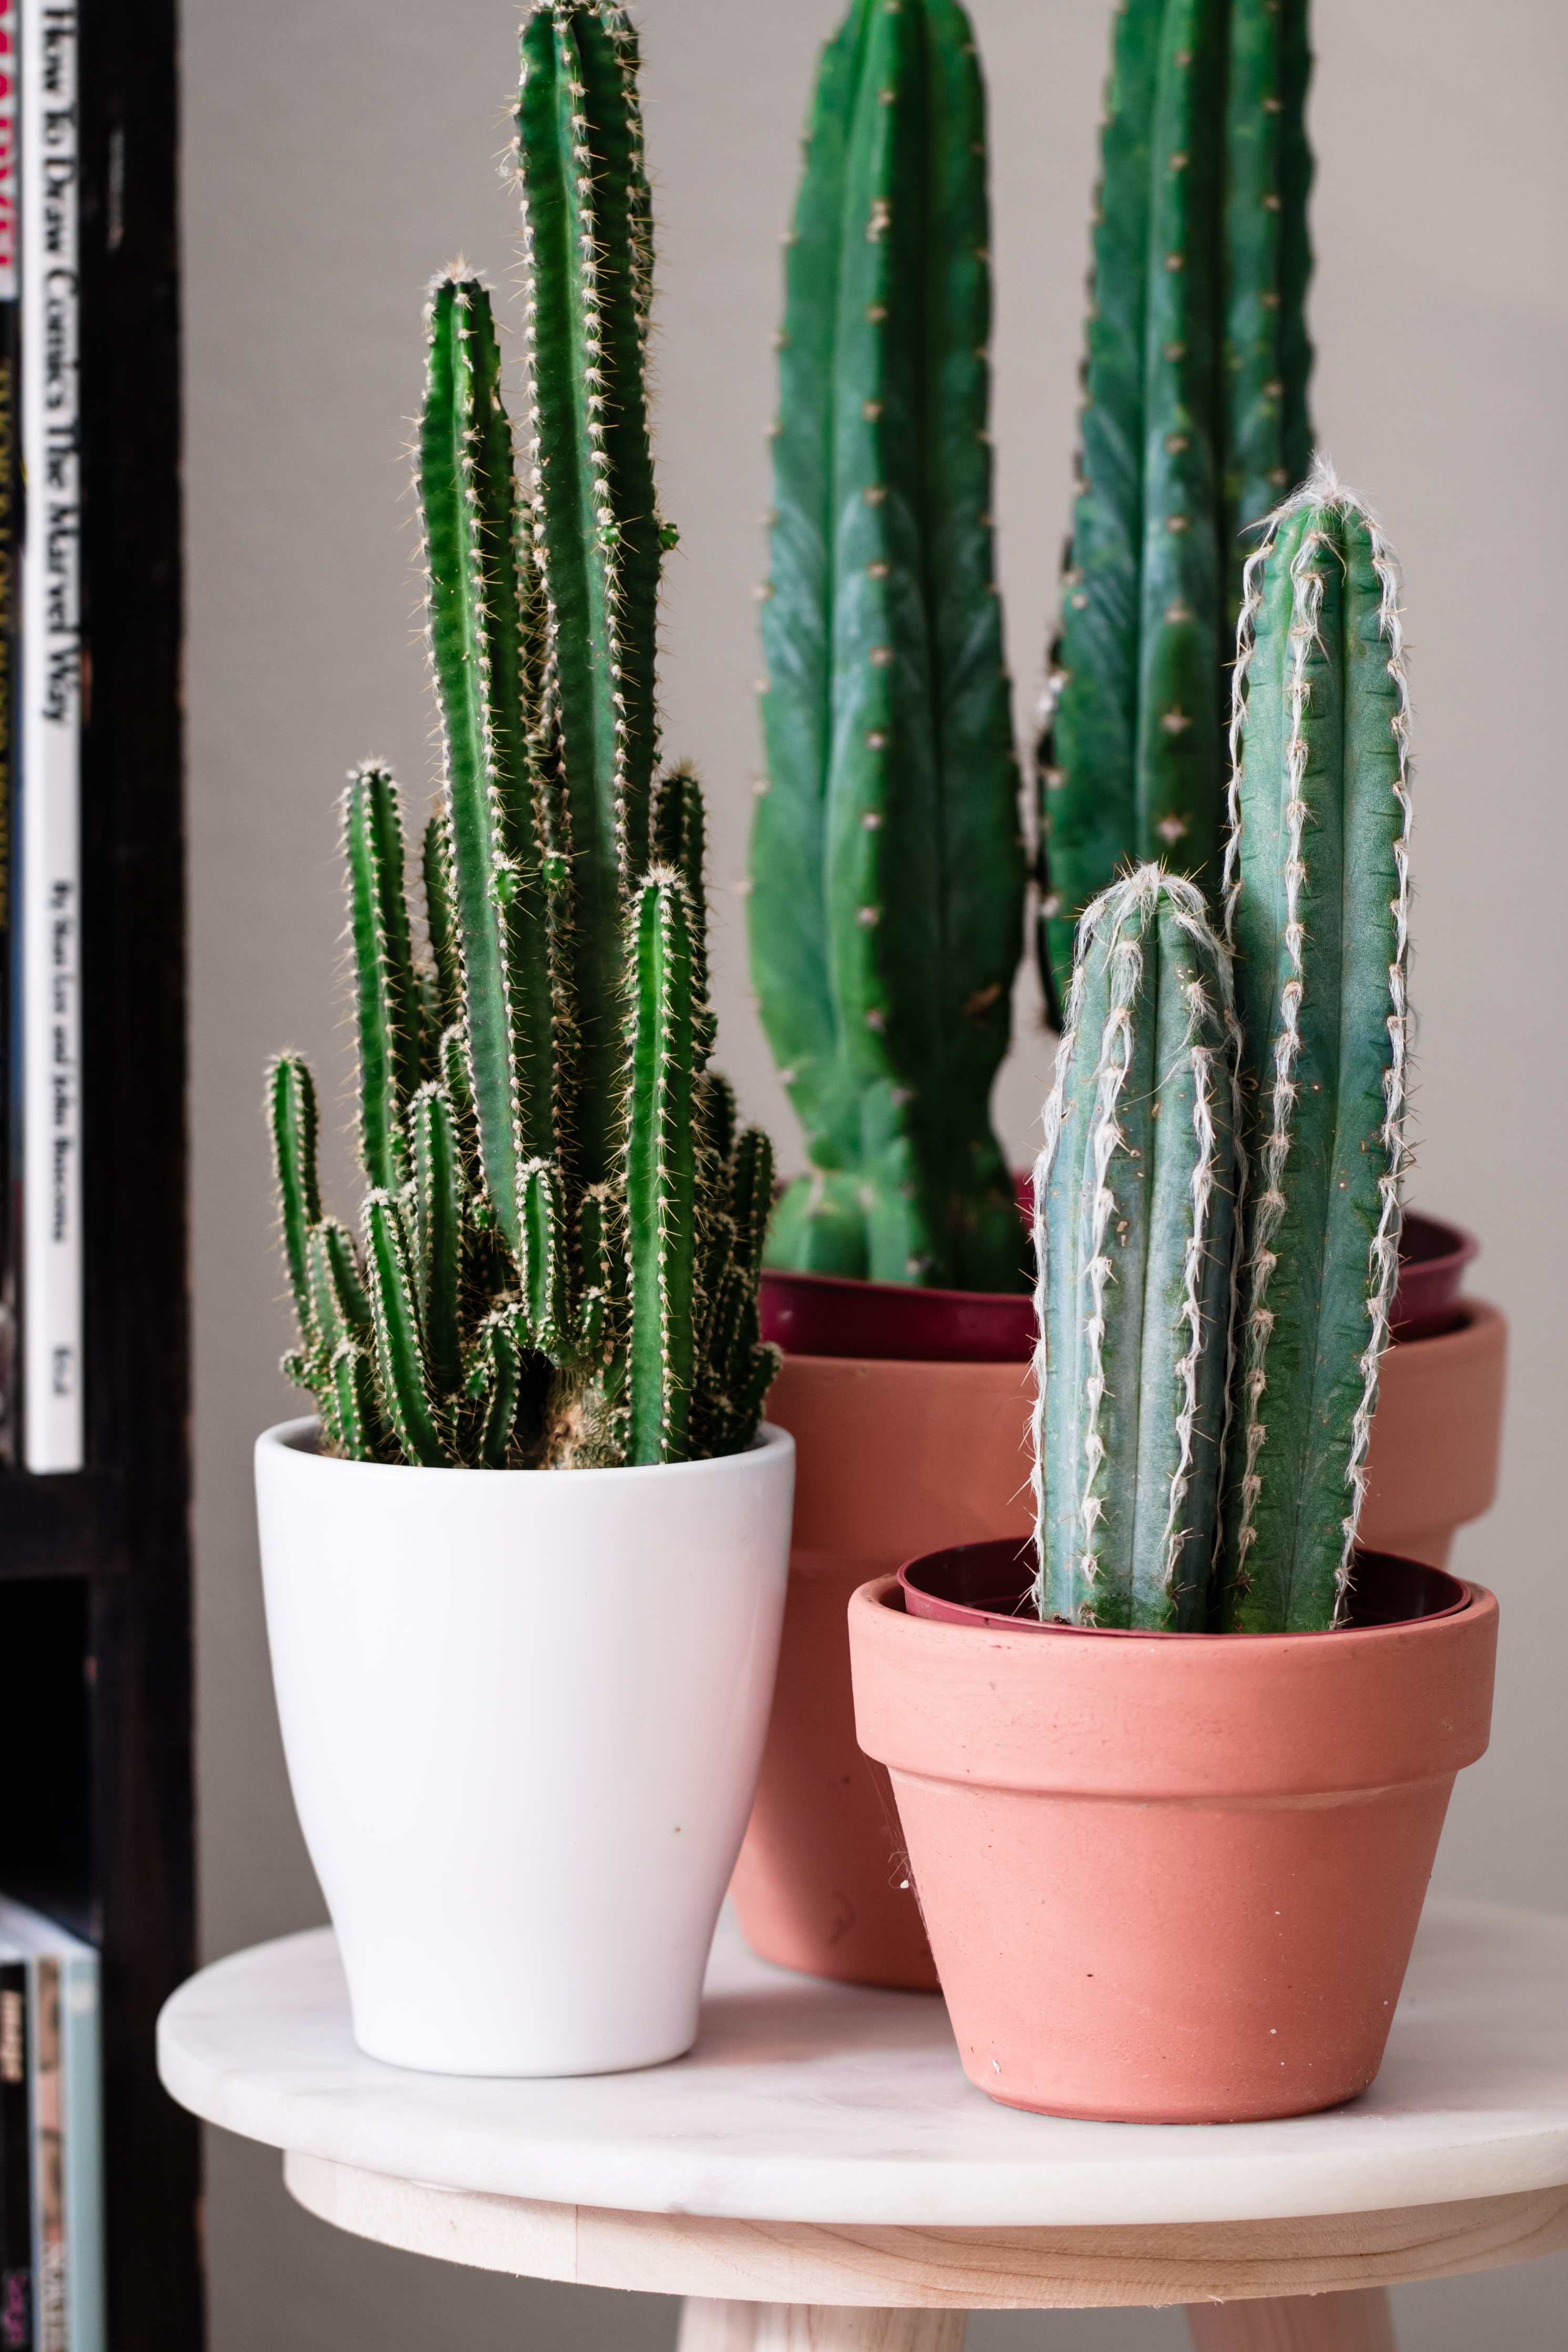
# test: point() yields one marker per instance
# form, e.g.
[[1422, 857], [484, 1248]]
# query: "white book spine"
[[82, 2114], [51, 746], [10, 250]]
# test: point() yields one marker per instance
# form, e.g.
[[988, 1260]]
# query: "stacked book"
[[51, 2150], [41, 708]]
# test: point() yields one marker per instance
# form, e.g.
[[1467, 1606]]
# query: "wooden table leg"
[[816, 2328], [1356, 2320]]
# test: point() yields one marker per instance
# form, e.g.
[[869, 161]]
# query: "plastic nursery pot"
[[1172, 1877], [893, 1457], [523, 1714], [1433, 1257], [829, 1315]]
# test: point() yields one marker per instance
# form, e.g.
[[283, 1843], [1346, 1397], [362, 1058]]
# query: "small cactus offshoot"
[[1194, 425], [887, 867], [1136, 1223], [560, 1246]]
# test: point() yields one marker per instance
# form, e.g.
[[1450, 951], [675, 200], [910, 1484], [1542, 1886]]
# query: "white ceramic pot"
[[523, 1713]]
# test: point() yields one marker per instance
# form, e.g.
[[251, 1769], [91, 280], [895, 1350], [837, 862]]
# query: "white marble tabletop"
[[810, 2102]]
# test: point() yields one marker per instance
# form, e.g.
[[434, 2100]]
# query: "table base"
[[1355, 2320], [913, 2268]]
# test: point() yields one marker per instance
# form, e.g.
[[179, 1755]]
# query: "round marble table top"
[[804, 2101]]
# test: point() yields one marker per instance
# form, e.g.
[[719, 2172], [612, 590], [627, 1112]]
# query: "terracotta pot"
[[898, 1458], [1171, 1878], [890, 1459], [1437, 1436]]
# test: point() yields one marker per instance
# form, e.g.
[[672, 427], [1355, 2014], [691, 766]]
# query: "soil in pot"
[[1172, 1877]]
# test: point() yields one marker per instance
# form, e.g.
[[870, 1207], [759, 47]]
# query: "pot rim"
[[984, 1621], [297, 1437], [1240, 1717]]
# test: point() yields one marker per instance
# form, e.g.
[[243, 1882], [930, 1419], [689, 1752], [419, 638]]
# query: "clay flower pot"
[[891, 1458], [908, 1409], [1173, 1877]]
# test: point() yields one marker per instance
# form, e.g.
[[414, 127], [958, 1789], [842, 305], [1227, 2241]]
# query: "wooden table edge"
[[1137, 2264]]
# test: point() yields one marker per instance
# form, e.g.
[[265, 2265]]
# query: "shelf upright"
[[96, 1802]]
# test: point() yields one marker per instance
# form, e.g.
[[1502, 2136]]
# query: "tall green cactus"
[[562, 1242], [887, 872], [1134, 1222], [1194, 422], [1317, 902]]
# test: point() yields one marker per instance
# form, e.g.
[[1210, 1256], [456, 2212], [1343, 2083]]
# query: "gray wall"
[[337, 153]]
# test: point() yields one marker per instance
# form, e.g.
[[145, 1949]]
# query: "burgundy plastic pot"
[[992, 1584], [833, 1315]]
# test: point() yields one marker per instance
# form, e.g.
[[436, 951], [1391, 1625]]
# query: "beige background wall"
[[337, 151]]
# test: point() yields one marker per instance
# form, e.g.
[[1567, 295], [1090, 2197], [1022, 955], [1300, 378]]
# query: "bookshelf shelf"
[[96, 1807], [66, 1526]]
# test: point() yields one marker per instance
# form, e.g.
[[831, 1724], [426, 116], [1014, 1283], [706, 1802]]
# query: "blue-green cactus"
[[1134, 1230], [1317, 906]]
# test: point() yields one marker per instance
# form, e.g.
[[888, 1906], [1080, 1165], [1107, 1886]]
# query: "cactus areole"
[[560, 1249], [888, 866]]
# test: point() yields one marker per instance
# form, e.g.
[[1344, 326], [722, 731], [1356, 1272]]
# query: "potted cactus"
[[1195, 420], [886, 909], [525, 1569], [1189, 1765]]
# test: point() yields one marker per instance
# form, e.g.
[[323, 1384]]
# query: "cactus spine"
[[1317, 879], [1134, 1218], [887, 873], [561, 1244], [1194, 422]]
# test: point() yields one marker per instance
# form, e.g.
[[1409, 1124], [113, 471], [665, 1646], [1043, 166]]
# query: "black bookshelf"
[[96, 1802]]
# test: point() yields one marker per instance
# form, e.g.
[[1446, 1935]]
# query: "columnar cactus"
[[562, 1240], [1217, 1201], [1317, 892], [1194, 422], [887, 871], [1135, 1195]]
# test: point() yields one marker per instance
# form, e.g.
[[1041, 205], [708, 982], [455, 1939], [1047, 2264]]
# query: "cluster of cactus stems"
[[887, 867], [559, 1250], [1218, 1198], [1194, 424]]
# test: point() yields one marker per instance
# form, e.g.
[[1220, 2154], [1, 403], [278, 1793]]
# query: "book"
[[10, 542], [65, 2131], [50, 700], [15, 2158]]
